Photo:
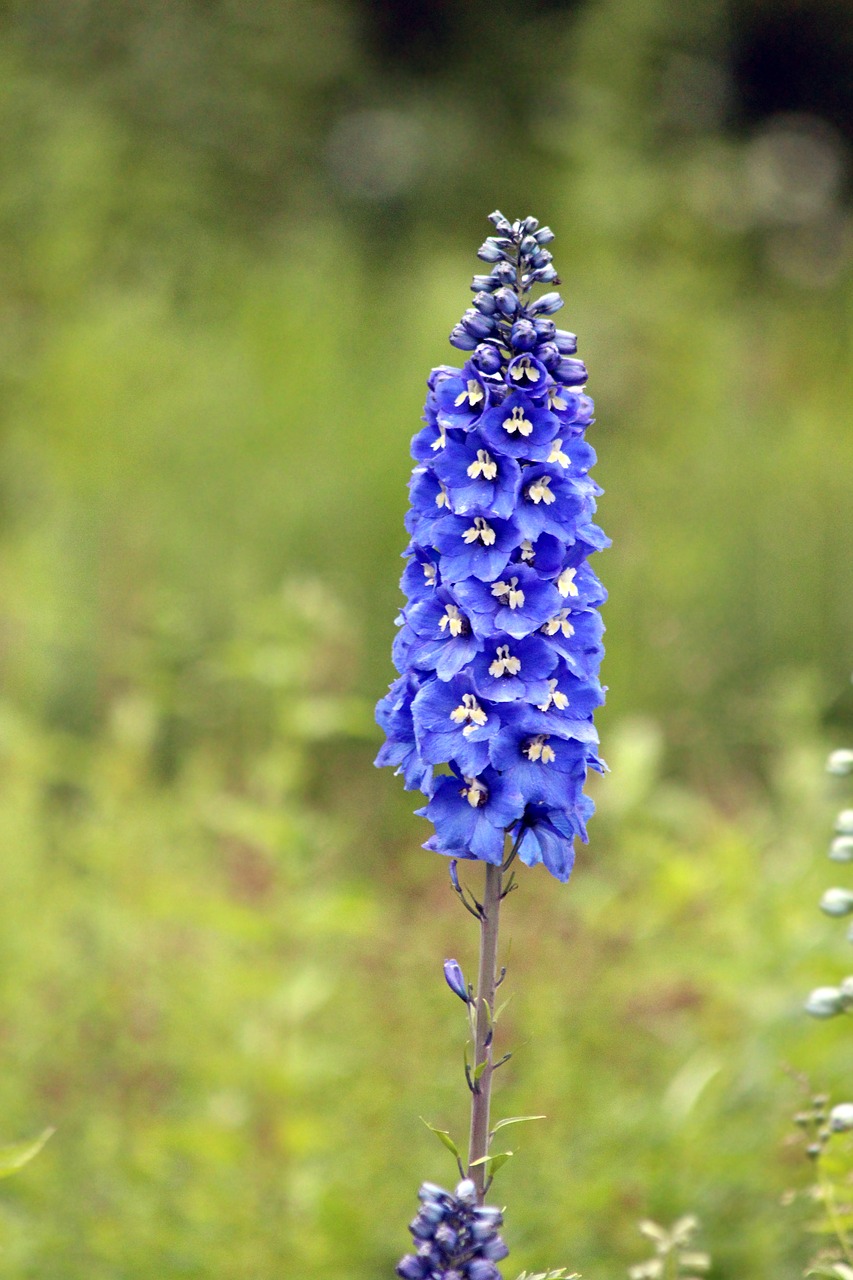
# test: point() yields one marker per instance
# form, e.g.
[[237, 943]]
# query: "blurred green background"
[[235, 234]]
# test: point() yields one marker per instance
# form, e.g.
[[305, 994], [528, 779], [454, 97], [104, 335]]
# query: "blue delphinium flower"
[[455, 1239], [499, 644]]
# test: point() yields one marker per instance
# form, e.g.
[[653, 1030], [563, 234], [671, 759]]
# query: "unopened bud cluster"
[[454, 1237]]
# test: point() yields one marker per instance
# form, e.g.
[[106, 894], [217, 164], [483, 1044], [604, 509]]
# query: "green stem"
[[485, 1007]]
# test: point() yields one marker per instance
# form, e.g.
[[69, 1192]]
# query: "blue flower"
[[499, 645], [471, 815], [454, 1237]]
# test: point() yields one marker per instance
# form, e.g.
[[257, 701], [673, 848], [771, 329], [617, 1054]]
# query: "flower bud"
[[844, 822], [824, 1002], [489, 251], [524, 335], [544, 235], [571, 372], [546, 330], [485, 303], [477, 325], [837, 902], [461, 340], [529, 225], [567, 343], [455, 979], [546, 305], [487, 358], [507, 301], [499, 222]]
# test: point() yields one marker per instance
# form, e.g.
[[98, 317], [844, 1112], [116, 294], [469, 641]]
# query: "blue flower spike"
[[499, 645]]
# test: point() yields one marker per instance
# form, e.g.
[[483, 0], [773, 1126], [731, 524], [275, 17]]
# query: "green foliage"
[[14, 1155]]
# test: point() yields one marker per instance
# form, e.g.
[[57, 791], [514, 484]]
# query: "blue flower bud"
[[480, 1269], [524, 335], [499, 222], [546, 330], [487, 283], [824, 1002], [529, 224], [547, 354], [528, 246], [466, 1192], [412, 1268], [507, 301], [455, 979], [571, 372], [545, 275], [487, 358], [840, 763], [546, 305], [489, 252], [478, 326], [504, 273], [485, 303], [462, 340], [544, 235], [837, 902], [567, 343]]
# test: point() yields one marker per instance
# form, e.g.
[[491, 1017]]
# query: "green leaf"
[[502, 1124], [443, 1136], [478, 1070], [493, 1163], [14, 1156]]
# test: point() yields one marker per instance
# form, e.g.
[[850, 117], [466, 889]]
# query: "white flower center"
[[560, 622], [453, 619], [557, 455], [509, 593], [537, 749], [566, 583], [555, 401], [554, 699], [480, 530], [441, 441], [540, 491], [473, 393], [504, 663], [429, 574], [517, 422], [524, 369], [527, 552], [469, 713], [475, 792], [485, 466]]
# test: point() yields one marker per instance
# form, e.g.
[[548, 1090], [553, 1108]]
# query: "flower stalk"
[[487, 981]]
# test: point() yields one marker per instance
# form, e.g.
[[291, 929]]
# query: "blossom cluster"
[[455, 1238], [499, 644]]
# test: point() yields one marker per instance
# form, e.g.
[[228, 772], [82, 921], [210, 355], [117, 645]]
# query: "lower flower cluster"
[[455, 1238], [500, 638]]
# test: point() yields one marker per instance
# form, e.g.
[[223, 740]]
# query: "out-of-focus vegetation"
[[232, 240]]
